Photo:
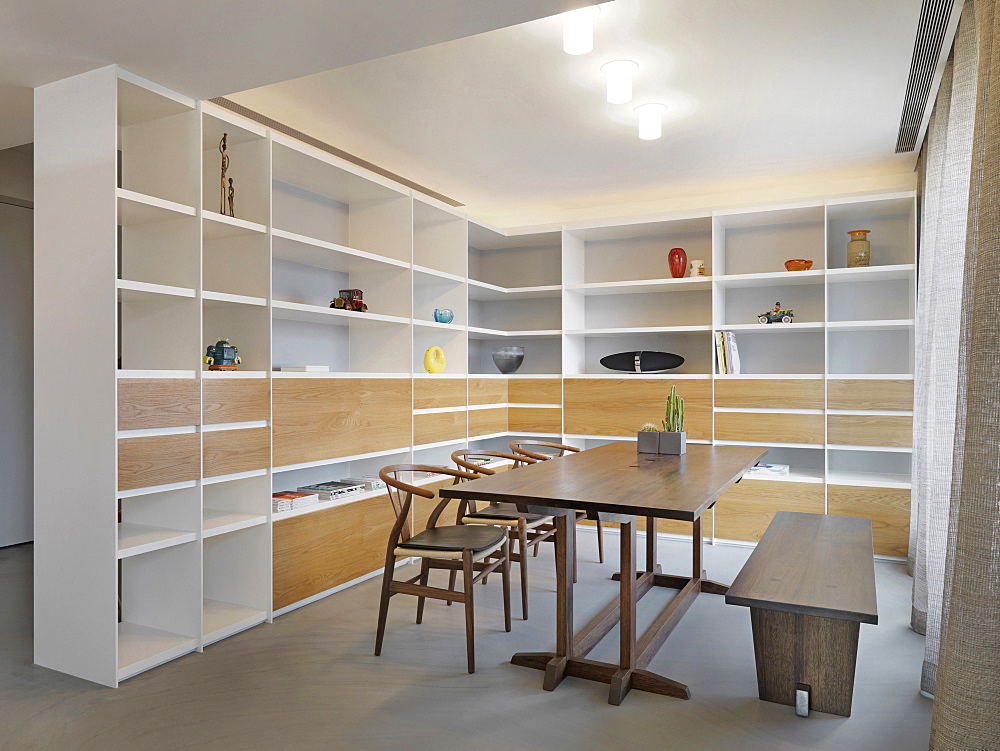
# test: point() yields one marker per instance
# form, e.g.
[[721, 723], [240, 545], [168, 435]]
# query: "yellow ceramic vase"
[[434, 360]]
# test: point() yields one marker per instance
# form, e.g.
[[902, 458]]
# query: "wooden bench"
[[809, 585]]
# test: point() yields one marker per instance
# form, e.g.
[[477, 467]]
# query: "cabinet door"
[[870, 430], [790, 393], [620, 406], [158, 460], [236, 400], [769, 427], [227, 452], [433, 393], [487, 390], [438, 426], [534, 420], [157, 403], [534, 391], [744, 511], [888, 508], [487, 421], [875, 393]]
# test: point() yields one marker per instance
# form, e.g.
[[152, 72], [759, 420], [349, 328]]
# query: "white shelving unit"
[[191, 560]]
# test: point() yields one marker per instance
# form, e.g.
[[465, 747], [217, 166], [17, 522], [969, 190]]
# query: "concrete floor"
[[309, 681]]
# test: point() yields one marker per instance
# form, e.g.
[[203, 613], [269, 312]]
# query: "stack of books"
[[332, 490], [370, 482], [289, 500], [305, 368], [727, 353]]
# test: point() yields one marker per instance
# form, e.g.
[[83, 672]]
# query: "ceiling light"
[[619, 75], [650, 120], [578, 30]]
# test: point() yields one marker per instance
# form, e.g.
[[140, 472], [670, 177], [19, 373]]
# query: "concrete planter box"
[[661, 443]]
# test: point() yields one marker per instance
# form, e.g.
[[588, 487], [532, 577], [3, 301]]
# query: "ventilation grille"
[[931, 32], [267, 122]]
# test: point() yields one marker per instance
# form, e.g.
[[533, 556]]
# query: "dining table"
[[613, 483]]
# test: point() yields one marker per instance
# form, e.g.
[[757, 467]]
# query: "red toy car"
[[350, 299]]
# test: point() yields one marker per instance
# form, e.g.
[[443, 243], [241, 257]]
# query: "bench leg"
[[796, 652]]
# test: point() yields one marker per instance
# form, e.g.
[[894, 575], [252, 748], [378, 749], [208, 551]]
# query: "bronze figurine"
[[225, 167], [232, 190]]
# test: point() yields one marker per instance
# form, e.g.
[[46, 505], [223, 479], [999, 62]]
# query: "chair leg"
[[522, 562], [470, 620], [505, 578], [451, 583], [383, 605], [425, 570], [600, 542]]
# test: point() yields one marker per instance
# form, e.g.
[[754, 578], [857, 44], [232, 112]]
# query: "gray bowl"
[[508, 359]]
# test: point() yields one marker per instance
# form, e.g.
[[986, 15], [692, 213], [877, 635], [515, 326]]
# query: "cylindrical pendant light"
[[578, 30], [619, 77], [650, 120]]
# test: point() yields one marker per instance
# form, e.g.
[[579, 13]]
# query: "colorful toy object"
[[222, 356], [777, 315], [350, 299], [434, 360]]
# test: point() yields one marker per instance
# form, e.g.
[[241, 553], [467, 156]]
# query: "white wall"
[[16, 345]]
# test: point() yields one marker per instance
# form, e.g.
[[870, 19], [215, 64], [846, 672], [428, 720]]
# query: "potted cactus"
[[670, 438]]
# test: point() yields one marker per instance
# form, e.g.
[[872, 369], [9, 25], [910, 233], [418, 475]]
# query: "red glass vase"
[[678, 261]]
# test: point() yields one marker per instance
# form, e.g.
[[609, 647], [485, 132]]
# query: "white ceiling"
[[759, 91], [208, 48]]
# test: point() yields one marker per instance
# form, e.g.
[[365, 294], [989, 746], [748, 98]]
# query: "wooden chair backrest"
[[401, 496], [519, 447]]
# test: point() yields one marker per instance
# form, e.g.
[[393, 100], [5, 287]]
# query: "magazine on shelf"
[[770, 470], [328, 491], [370, 482], [305, 368], [289, 500]]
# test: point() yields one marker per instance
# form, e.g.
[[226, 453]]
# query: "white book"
[[305, 368], [733, 352]]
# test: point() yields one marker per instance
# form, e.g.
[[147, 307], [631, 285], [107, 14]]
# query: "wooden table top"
[[615, 479], [815, 564]]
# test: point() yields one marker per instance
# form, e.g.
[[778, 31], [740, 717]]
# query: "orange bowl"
[[798, 264]]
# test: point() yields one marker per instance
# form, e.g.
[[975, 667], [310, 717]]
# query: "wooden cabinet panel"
[[847, 393], [158, 460], [438, 426], [772, 427], [236, 400], [324, 418], [534, 420], [744, 511], [534, 391], [888, 508], [619, 406], [157, 403], [870, 430], [792, 393], [487, 421], [229, 451], [487, 390], [318, 551], [431, 393]]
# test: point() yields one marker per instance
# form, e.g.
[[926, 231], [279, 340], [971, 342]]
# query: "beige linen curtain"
[[956, 558]]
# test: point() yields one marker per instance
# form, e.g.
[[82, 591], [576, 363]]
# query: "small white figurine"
[[697, 268]]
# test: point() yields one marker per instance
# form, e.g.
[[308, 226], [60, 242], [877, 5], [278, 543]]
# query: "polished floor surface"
[[309, 680]]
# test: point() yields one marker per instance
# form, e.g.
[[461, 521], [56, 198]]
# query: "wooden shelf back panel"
[[772, 427], [230, 451], [846, 393], [318, 551], [157, 403], [238, 400], [487, 421], [767, 394], [324, 418], [534, 420], [438, 426], [744, 511], [158, 460], [619, 406], [487, 390], [870, 430], [431, 393], [888, 509], [534, 391]]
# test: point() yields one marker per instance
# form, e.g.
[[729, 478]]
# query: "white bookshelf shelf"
[[230, 374], [438, 325], [815, 476], [868, 479], [772, 279], [640, 286], [138, 208], [640, 330], [770, 328], [475, 332], [293, 311], [228, 298], [441, 275], [220, 225], [142, 647], [311, 251], [890, 325], [126, 286], [222, 619], [219, 522], [485, 292], [902, 271], [136, 539]]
